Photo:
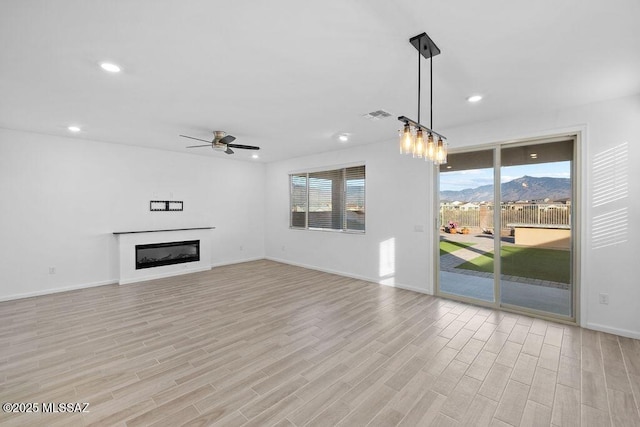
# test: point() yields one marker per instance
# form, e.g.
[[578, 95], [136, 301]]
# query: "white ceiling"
[[291, 75]]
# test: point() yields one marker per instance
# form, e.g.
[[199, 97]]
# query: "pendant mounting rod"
[[428, 49]]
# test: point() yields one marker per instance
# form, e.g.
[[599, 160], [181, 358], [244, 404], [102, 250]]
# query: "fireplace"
[[157, 254]]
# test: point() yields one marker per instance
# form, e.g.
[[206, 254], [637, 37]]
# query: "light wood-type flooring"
[[264, 343]]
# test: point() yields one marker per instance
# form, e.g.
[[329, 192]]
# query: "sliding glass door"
[[527, 219], [466, 218], [535, 209]]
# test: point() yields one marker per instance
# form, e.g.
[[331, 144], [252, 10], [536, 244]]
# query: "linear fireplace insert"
[[157, 254]]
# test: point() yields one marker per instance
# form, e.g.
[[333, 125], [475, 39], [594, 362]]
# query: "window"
[[328, 200]]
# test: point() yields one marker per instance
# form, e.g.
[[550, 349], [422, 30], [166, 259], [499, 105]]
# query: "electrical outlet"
[[241, 248], [52, 270], [604, 298], [283, 248]]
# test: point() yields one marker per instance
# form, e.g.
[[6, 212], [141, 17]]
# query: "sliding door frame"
[[576, 227]]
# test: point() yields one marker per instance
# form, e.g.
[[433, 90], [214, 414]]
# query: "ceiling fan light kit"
[[221, 141], [412, 136]]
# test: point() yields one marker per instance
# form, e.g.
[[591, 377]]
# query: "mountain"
[[524, 188]]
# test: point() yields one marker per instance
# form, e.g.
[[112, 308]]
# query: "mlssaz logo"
[[53, 407]]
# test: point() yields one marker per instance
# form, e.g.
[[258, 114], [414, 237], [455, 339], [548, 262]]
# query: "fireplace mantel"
[[159, 231]]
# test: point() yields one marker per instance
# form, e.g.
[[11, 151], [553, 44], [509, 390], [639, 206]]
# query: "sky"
[[461, 180]]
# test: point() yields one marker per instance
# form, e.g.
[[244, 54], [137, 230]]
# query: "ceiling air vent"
[[377, 115]]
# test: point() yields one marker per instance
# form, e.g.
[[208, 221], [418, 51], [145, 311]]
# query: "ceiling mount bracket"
[[424, 45]]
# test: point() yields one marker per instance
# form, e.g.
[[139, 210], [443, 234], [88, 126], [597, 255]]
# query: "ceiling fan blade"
[[228, 150], [197, 139], [227, 139], [195, 146], [244, 147]]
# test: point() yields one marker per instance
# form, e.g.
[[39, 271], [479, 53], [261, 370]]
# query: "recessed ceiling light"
[[533, 155], [474, 98], [449, 167], [344, 137], [74, 129], [112, 68], [255, 156]]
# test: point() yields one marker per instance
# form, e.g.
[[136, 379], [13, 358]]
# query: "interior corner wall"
[[398, 198], [62, 198]]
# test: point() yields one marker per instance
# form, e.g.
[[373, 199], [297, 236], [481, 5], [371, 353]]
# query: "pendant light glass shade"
[[407, 143], [419, 147], [441, 153], [431, 148]]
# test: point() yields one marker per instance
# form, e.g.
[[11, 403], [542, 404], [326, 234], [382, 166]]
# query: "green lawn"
[[446, 246], [535, 263]]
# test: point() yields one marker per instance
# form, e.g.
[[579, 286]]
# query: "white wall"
[[62, 198], [399, 195]]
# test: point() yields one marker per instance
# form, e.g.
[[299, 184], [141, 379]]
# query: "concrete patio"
[[543, 295]]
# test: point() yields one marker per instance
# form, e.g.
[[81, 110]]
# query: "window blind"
[[298, 196], [328, 200], [354, 197]]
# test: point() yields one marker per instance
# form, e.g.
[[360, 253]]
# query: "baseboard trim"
[[615, 331], [58, 290], [165, 275], [222, 264], [350, 275], [116, 282]]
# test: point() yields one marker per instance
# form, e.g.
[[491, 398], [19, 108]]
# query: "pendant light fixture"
[[416, 139]]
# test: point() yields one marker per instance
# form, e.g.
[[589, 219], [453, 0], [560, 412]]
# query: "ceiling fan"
[[221, 141]]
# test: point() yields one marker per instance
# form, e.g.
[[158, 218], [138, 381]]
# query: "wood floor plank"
[[369, 408], [593, 417], [216, 407], [419, 385], [571, 345], [543, 387], [513, 402], [566, 406], [402, 376], [263, 343], [594, 390], [480, 412], [481, 366], [496, 341], [460, 339], [495, 382], [424, 411], [470, 351], [519, 334], [533, 344], [524, 369], [549, 357], [457, 402], [569, 372], [448, 379], [535, 414], [623, 408], [554, 336], [317, 404], [508, 356]]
